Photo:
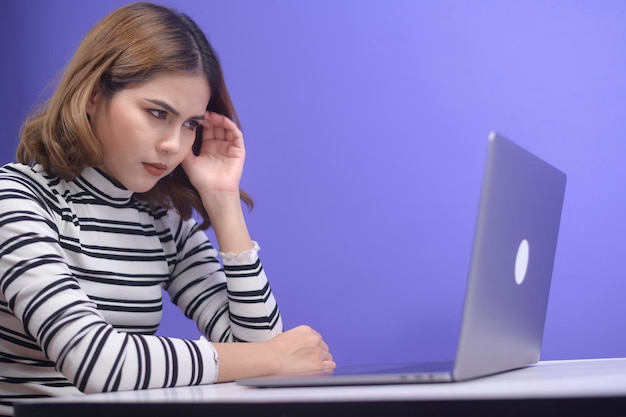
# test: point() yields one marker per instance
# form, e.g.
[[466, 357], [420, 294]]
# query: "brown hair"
[[132, 44]]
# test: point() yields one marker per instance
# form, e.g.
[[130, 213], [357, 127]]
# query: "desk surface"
[[582, 387]]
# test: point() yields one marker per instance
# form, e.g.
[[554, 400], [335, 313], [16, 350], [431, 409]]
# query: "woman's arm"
[[232, 303], [60, 322], [248, 314], [216, 174], [298, 350]]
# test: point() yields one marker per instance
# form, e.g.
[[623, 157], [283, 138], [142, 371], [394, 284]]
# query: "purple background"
[[366, 126]]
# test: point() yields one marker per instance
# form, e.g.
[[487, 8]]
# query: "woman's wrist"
[[221, 203], [245, 360], [229, 224]]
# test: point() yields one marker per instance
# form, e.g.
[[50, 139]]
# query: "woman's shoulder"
[[22, 175], [26, 187]]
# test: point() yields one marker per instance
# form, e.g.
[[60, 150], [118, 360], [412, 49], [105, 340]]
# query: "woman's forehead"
[[182, 91]]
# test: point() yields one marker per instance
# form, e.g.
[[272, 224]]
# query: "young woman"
[[96, 219]]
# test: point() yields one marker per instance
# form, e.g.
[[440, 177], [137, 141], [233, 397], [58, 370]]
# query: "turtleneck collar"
[[102, 186]]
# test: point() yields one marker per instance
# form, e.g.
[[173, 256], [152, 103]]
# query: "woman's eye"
[[192, 125], [159, 114]]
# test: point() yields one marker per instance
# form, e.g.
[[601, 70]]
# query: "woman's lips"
[[156, 169]]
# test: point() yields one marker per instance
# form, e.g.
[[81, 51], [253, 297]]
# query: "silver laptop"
[[508, 284]]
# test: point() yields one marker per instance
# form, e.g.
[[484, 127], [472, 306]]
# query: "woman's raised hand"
[[218, 167]]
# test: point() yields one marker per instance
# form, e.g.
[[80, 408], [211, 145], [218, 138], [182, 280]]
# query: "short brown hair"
[[132, 44]]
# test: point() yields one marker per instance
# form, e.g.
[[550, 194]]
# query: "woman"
[[96, 218]]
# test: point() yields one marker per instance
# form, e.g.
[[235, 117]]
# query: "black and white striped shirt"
[[82, 268]]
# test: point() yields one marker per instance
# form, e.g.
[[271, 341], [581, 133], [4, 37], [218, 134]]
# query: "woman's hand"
[[301, 349], [217, 169], [297, 350], [216, 174]]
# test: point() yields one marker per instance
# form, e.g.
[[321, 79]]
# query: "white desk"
[[583, 387]]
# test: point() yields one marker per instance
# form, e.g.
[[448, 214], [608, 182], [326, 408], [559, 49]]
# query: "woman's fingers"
[[219, 127], [302, 349]]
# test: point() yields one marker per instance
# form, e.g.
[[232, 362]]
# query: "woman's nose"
[[170, 143]]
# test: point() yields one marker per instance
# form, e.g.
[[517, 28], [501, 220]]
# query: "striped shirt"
[[82, 267]]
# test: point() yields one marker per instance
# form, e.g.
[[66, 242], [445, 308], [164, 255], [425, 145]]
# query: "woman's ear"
[[94, 99]]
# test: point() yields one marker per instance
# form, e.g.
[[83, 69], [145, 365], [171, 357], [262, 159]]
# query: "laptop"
[[508, 284]]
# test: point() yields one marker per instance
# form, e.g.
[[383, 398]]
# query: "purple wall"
[[366, 126], [9, 88]]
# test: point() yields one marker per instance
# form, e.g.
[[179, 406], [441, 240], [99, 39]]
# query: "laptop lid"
[[508, 282], [513, 253]]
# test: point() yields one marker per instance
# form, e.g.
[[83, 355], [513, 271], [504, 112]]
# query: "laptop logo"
[[521, 261]]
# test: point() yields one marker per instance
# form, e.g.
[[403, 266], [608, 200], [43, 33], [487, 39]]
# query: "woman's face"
[[147, 129]]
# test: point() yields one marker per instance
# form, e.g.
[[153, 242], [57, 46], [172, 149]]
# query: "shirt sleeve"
[[231, 300], [41, 292]]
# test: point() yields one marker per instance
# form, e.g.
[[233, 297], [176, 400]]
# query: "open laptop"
[[508, 284]]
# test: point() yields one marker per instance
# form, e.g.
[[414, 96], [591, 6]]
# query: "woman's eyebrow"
[[170, 109]]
